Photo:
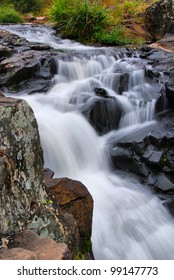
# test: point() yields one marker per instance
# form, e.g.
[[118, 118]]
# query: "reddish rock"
[[27, 245], [48, 173], [73, 198], [18, 254]]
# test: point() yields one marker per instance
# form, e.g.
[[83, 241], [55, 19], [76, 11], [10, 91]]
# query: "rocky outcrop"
[[103, 113], [72, 197], [23, 200], [28, 246], [28, 72], [21, 164], [24, 68], [158, 17], [148, 154], [169, 86], [159, 69], [24, 203]]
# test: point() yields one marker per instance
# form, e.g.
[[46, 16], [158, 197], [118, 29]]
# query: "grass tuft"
[[9, 15]]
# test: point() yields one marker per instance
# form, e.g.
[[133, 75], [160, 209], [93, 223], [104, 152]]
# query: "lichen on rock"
[[24, 202], [21, 164]]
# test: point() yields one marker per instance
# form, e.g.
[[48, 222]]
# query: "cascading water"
[[128, 221]]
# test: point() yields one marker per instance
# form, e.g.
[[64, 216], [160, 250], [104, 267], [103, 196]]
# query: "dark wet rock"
[[150, 154], [103, 113], [39, 47], [169, 86], [101, 92], [152, 72], [158, 16], [158, 56], [25, 66], [13, 42], [161, 103], [124, 160], [4, 52], [164, 183], [20, 67], [160, 71], [120, 82], [53, 65], [157, 61], [123, 83]]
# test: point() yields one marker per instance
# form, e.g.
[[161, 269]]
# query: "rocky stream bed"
[[139, 133]]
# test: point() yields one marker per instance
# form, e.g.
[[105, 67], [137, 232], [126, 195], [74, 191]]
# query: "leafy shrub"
[[9, 15], [24, 6], [115, 37], [78, 19]]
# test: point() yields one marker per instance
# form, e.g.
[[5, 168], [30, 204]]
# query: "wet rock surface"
[[169, 86], [25, 67], [55, 214], [149, 154], [103, 113]]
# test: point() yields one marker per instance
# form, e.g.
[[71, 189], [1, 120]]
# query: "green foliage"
[[79, 256], [115, 37], [9, 15], [24, 6], [130, 7], [78, 19], [87, 246]]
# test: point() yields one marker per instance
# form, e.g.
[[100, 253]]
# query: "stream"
[[129, 222]]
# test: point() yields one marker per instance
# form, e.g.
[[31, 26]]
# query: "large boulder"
[[24, 203], [103, 113], [21, 164], [23, 197], [158, 17], [72, 197]]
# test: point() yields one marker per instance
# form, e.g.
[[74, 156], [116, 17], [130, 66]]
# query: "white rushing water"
[[128, 221]]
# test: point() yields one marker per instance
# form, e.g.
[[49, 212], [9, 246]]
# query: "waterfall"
[[128, 221]]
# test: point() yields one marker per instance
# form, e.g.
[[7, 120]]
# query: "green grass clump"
[[115, 37], [78, 19], [24, 6], [9, 15]]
